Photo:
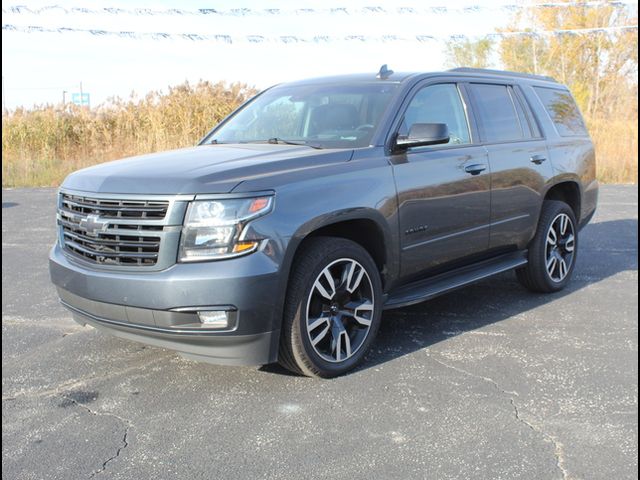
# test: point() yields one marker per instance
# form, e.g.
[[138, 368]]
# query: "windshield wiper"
[[276, 140]]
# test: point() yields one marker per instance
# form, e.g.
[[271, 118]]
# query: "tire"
[[551, 266], [332, 309]]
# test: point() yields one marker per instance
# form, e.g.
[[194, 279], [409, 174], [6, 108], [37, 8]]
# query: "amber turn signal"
[[244, 246]]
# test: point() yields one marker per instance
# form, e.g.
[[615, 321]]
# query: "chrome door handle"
[[538, 159], [475, 169]]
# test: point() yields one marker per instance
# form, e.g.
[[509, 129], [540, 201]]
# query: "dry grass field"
[[41, 146]]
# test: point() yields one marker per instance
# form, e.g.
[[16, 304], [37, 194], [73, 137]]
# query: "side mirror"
[[422, 134]]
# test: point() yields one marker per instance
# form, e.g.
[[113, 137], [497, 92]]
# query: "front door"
[[443, 190]]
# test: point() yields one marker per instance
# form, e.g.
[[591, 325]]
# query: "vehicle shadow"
[[606, 248]]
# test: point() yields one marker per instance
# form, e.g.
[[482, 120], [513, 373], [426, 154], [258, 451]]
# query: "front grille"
[[110, 208], [110, 231]]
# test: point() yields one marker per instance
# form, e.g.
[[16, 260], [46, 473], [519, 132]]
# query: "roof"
[[502, 73], [400, 77], [396, 77]]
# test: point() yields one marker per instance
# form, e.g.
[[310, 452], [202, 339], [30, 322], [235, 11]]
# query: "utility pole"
[[82, 97]]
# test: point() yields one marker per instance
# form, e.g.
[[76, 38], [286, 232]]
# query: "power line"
[[319, 39]]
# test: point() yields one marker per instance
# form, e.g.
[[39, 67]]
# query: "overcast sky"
[[37, 67]]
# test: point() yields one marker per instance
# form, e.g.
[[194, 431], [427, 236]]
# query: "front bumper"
[[159, 308]]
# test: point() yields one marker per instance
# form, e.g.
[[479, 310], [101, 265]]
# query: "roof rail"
[[487, 71]]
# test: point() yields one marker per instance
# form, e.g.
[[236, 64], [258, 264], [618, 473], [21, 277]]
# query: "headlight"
[[212, 228]]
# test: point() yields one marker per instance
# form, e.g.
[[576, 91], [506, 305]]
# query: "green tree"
[[467, 53]]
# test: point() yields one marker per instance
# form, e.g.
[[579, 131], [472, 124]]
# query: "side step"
[[432, 287]]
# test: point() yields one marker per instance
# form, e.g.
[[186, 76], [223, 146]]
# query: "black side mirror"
[[421, 134]]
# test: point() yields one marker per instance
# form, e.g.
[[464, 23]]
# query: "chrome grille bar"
[[109, 208], [117, 243], [108, 254]]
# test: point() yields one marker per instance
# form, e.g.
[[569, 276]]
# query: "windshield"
[[326, 116]]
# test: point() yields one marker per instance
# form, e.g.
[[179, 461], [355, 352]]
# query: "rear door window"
[[497, 116], [563, 111], [522, 103], [527, 120]]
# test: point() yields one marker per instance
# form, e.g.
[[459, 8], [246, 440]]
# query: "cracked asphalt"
[[489, 382]]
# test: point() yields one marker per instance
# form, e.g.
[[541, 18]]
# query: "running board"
[[432, 287]]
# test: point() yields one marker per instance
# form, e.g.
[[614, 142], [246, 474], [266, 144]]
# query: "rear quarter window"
[[563, 111]]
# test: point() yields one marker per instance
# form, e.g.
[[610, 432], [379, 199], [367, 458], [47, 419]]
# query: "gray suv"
[[318, 204]]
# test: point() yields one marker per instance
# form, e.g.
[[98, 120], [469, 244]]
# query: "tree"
[[595, 65], [600, 67], [467, 53]]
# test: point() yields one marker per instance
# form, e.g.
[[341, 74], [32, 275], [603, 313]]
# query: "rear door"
[[443, 190], [519, 161]]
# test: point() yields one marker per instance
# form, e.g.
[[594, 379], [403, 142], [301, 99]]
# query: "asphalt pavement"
[[488, 382]]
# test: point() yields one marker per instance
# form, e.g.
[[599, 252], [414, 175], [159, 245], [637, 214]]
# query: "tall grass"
[[41, 146], [616, 142]]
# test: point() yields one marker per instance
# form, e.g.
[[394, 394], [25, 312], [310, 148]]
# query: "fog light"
[[214, 319]]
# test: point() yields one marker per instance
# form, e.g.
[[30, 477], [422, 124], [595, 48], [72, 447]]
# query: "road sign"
[[81, 99]]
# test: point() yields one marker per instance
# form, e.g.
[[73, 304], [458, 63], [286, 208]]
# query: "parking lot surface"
[[486, 382]]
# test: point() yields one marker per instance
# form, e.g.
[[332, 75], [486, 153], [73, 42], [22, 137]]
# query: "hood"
[[201, 169]]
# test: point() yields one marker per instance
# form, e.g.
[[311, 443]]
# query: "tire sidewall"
[[323, 367], [556, 209]]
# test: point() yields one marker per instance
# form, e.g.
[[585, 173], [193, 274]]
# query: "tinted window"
[[524, 121], [323, 115], [439, 104], [521, 102], [497, 114], [563, 110]]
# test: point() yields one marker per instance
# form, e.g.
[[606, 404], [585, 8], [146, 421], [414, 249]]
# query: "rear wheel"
[[332, 309], [552, 252]]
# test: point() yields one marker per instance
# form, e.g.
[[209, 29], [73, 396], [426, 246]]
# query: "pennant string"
[[291, 39], [370, 10]]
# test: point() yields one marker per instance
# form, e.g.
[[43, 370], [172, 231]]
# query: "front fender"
[[390, 241], [359, 189]]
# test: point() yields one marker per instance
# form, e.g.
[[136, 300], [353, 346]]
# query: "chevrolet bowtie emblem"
[[93, 225]]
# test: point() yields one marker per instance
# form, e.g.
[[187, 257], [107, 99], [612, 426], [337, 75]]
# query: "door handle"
[[475, 169], [538, 159]]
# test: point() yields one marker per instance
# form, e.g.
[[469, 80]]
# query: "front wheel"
[[553, 250], [332, 310]]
